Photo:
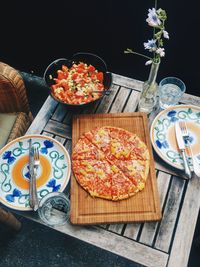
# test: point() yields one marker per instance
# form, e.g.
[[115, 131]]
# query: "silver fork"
[[196, 166], [35, 167]]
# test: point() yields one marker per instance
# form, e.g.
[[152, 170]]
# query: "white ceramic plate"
[[163, 133], [53, 174]]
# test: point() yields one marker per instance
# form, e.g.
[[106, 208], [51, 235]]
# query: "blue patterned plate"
[[53, 174], [163, 133]]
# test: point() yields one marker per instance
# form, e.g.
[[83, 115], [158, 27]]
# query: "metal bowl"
[[88, 58]]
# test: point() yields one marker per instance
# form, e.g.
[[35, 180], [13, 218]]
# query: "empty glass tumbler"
[[171, 90], [54, 209]]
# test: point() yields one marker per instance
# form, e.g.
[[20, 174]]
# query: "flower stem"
[[155, 4], [129, 51]]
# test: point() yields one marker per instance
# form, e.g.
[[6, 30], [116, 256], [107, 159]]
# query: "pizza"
[[110, 163]]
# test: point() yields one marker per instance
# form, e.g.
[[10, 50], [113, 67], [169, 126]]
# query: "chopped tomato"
[[62, 75], [64, 68], [74, 76], [66, 86], [80, 70], [91, 68], [81, 65], [100, 76]]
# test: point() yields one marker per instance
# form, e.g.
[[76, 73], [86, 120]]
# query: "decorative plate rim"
[[6, 203], [161, 155]]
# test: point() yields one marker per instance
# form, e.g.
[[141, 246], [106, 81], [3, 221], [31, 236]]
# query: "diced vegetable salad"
[[76, 85]]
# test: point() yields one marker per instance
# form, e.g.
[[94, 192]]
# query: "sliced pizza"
[[111, 163], [94, 176], [135, 170], [122, 187], [100, 137], [84, 149]]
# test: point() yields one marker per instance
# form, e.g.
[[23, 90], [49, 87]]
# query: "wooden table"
[[164, 243]]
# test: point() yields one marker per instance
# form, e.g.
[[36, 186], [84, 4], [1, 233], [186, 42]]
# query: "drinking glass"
[[54, 208], [170, 91]]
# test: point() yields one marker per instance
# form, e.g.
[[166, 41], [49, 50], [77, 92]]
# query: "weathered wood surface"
[[43, 116], [149, 230], [186, 224], [164, 243]]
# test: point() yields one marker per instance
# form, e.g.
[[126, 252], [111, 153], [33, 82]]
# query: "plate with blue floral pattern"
[[53, 174], [163, 134]]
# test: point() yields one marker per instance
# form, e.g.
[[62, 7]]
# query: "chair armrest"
[[13, 95]]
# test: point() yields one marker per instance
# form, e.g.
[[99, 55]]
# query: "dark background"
[[35, 33]]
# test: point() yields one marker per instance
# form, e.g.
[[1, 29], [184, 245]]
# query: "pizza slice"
[[135, 170], [94, 176], [84, 149], [100, 137], [122, 187], [137, 147]]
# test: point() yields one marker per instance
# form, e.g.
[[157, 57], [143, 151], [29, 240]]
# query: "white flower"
[[166, 34], [160, 51], [149, 62], [153, 19], [150, 45]]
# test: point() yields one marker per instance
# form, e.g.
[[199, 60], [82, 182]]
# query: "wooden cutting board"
[[144, 206]]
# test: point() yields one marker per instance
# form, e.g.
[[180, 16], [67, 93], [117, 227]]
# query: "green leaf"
[[158, 34], [189, 111]]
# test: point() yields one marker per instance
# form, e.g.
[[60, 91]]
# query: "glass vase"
[[148, 97]]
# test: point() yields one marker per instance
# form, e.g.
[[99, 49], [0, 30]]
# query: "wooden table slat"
[[104, 226], [132, 230], [132, 102], [69, 115], [58, 128], [149, 229], [116, 228], [60, 112], [171, 210], [47, 134], [68, 146], [60, 139], [120, 100], [107, 101], [127, 82]]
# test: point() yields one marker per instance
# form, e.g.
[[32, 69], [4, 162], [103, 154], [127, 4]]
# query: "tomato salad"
[[78, 84]]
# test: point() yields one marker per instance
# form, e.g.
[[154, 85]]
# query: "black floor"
[[37, 245]]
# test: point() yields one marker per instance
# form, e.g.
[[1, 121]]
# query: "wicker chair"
[[15, 118]]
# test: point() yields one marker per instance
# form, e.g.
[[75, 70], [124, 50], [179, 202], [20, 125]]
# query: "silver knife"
[[181, 145], [33, 198]]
